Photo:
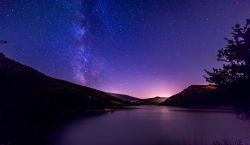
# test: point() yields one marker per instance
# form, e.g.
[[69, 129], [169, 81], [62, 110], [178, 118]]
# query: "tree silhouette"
[[235, 57]]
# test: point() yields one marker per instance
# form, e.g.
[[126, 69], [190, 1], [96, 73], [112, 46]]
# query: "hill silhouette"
[[22, 84], [153, 101], [200, 96], [139, 101], [128, 98], [32, 101]]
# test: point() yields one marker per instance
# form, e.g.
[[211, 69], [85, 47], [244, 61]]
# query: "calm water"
[[153, 125]]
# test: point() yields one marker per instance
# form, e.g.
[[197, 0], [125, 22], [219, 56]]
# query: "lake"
[[156, 125]]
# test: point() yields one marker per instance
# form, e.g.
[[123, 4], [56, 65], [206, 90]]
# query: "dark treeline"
[[234, 75]]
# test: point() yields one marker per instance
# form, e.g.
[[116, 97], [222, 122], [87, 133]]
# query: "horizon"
[[138, 48]]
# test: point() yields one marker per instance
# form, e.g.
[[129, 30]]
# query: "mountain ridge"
[[31, 101], [18, 80], [199, 96]]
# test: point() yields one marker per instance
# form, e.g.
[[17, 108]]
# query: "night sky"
[[143, 48]]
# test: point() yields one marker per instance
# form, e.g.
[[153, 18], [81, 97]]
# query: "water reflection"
[[154, 125]]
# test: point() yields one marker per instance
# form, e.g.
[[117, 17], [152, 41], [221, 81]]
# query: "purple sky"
[[143, 48]]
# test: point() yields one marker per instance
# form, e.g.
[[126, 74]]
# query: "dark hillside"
[[30, 101], [199, 95]]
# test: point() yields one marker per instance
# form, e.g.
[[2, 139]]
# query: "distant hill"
[[199, 95], [138, 101], [126, 97], [153, 101]]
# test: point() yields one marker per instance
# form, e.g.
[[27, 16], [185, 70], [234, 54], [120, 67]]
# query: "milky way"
[[86, 66], [82, 61]]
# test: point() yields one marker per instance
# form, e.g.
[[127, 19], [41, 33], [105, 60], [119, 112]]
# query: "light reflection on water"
[[156, 125]]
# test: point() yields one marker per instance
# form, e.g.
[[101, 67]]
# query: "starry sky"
[[144, 48]]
